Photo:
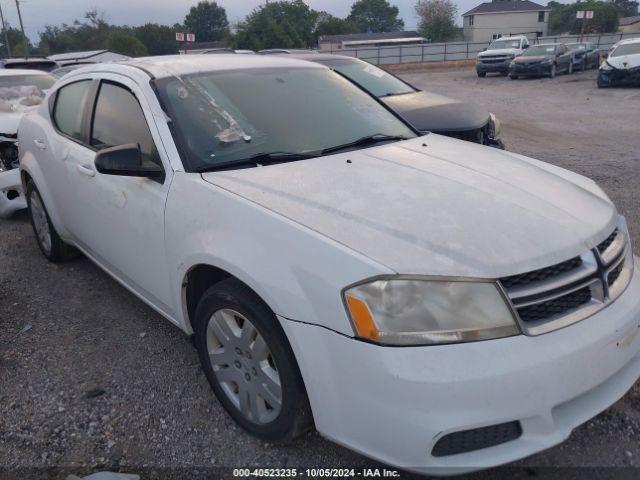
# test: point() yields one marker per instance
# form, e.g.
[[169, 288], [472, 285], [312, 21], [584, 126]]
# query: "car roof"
[[10, 72], [627, 40], [319, 57], [174, 65]]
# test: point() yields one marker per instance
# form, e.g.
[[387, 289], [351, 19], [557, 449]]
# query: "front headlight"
[[495, 127], [604, 66], [420, 311]]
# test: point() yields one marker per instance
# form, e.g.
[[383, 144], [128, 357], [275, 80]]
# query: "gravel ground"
[[92, 379]]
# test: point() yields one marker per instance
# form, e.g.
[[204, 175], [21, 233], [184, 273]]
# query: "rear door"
[[119, 220]]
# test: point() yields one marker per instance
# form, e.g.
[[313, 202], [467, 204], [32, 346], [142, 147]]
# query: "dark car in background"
[[585, 55], [544, 60], [427, 112]]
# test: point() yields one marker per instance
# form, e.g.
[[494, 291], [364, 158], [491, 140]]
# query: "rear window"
[[69, 108]]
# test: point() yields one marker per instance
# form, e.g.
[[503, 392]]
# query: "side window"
[[118, 120], [70, 103]]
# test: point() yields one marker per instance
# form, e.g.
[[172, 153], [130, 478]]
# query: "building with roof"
[[502, 18], [629, 24], [331, 43], [91, 56]]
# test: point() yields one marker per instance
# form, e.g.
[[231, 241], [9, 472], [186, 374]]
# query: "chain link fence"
[[451, 51]]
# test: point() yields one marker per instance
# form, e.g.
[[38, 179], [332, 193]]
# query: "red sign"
[[191, 37], [179, 37]]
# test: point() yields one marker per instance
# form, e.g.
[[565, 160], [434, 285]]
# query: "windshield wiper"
[[259, 159], [368, 140]]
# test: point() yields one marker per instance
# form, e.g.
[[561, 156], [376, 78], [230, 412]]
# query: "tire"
[[600, 83], [244, 374], [51, 245], [513, 77], [552, 71], [481, 74]]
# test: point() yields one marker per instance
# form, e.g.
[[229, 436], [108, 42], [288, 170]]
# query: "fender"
[[29, 165]]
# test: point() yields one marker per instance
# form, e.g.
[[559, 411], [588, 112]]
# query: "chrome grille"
[[567, 292]]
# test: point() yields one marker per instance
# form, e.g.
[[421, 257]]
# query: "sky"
[[38, 13]]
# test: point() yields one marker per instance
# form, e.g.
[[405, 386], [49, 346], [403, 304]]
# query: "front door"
[[119, 220]]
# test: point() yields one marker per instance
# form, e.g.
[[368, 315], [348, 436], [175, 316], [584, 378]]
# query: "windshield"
[[18, 92], [577, 46], [626, 49], [500, 44], [370, 77], [229, 116], [539, 50]]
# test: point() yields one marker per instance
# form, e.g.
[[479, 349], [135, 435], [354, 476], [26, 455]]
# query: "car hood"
[[624, 61], [435, 206], [435, 113], [499, 51], [9, 122], [536, 59]]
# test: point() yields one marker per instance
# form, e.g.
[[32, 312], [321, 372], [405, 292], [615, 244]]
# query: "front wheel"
[[481, 74], [249, 363], [51, 245], [513, 77]]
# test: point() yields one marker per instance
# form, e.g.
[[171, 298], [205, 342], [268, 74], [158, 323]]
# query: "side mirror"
[[525, 46], [126, 160], [484, 49]]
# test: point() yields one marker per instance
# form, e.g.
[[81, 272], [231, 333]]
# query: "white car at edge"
[[20, 91], [433, 304]]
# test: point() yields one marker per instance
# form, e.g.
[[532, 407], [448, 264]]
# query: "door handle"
[[40, 144], [86, 170]]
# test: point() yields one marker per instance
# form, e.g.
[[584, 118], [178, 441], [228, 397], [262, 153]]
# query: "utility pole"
[[26, 41], [6, 36]]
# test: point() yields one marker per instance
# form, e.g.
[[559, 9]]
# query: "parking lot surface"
[[91, 378]]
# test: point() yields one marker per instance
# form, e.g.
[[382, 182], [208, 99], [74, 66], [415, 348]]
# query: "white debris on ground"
[[106, 476]]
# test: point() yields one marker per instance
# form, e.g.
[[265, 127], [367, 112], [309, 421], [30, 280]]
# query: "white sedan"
[[434, 304]]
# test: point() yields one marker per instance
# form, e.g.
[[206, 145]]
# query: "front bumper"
[[393, 404], [11, 196], [536, 70], [502, 67], [617, 76]]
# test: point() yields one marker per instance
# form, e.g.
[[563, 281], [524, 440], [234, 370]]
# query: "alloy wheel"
[[244, 366], [40, 221]]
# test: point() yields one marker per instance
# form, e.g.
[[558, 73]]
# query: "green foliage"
[[375, 16], [283, 24], [18, 42], [437, 19], [562, 18], [158, 39], [625, 8], [327, 24], [124, 42], [208, 21]]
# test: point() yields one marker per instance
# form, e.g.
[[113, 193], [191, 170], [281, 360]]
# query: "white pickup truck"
[[498, 56]]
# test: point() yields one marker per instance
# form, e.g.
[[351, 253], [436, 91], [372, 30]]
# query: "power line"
[[6, 35]]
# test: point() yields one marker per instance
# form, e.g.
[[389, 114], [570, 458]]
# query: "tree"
[[282, 24], [125, 42], [562, 18], [208, 21], [158, 39], [626, 8], [327, 24], [18, 42], [437, 19], [375, 16]]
